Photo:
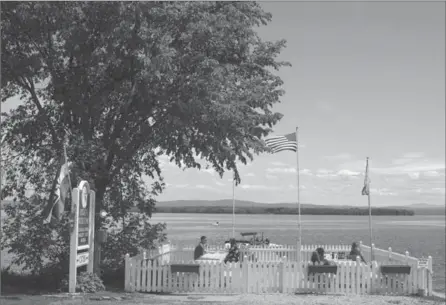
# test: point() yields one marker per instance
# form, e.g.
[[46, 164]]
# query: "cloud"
[[341, 156], [219, 183], [305, 171], [281, 170], [205, 187], [249, 175], [181, 185], [407, 158], [413, 155], [323, 173], [414, 175], [278, 163], [433, 191], [270, 177], [433, 174], [347, 173], [294, 187], [414, 167], [259, 187], [209, 171], [382, 192], [343, 174], [288, 170]]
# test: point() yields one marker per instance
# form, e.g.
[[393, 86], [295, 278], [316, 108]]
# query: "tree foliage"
[[127, 82]]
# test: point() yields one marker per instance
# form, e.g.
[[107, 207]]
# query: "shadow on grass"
[[13, 283]]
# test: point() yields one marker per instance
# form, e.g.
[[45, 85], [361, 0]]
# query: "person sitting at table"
[[318, 256], [356, 252], [199, 250], [233, 253]]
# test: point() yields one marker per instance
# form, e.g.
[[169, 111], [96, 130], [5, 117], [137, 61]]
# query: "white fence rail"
[[271, 277], [269, 270]]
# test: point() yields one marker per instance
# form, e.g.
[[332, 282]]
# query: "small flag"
[[281, 143], [366, 188], [54, 210]]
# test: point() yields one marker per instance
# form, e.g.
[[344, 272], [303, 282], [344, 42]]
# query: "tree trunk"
[[100, 192]]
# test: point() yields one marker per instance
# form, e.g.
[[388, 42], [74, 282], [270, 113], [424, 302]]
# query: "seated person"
[[199, 250], [234, 253], [318, 257], [355, 252]]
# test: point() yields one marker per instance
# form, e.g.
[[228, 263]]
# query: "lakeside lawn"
[[267, 299]]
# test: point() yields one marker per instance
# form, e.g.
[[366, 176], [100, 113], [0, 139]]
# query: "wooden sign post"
[[82, 235]]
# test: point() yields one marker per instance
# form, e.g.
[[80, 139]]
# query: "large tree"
[[127, 81]]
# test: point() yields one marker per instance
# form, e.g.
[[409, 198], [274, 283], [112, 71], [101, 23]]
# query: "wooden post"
[[390, 254], [429, 276], [245, 272], [375, 273], [282, 276], [92, 258], [358, 275], [127, 273], [73, 242]]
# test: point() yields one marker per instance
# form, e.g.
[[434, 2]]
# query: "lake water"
[[420, 235]]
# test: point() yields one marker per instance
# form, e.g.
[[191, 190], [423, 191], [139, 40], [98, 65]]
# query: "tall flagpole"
[[370, 210], [233, 207], [299, 242]]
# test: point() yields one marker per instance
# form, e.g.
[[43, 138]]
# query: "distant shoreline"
[[283, 211]]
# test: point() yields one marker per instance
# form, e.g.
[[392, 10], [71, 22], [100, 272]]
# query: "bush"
[[132, 237], [25, 283], [43, 249], [86, 282]]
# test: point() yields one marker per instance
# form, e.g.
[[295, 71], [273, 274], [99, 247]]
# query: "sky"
[[367, 80]]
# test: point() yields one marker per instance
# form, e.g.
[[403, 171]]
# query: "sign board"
[[82, 259], [82, 235], [84, 227]]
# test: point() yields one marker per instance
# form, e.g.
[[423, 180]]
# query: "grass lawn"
[[139, 299]]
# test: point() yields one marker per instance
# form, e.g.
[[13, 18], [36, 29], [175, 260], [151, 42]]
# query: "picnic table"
[[213, 256]]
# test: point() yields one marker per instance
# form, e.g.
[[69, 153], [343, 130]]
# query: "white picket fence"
[[271, 277], [269, 270]]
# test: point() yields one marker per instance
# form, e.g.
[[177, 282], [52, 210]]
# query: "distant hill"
[[426, 209], [249, 207], [244, 206], [240, 204]]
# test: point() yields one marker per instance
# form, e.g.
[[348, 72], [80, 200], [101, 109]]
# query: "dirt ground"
[[271, 299]]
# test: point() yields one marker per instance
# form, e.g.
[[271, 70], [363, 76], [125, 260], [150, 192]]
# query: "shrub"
[[43, 249], [86, 282]]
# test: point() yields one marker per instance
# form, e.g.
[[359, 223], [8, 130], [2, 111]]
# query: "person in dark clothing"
[[318, 257], [355, 252], [199, 250], [234, 253]]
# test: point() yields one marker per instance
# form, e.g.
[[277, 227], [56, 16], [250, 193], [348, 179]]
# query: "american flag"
[[281, 143]]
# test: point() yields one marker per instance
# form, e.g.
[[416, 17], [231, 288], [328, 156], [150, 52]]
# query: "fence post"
[[429, 276], [245, 275], [390, 254], [127, 273], [374, 281], [358, 275], [281, 277]]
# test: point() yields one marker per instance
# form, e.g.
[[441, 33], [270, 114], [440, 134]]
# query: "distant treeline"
[[288, 211]]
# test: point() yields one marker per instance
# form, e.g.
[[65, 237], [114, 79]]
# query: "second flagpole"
[[299, 242], [233, 206], [372, 258]]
